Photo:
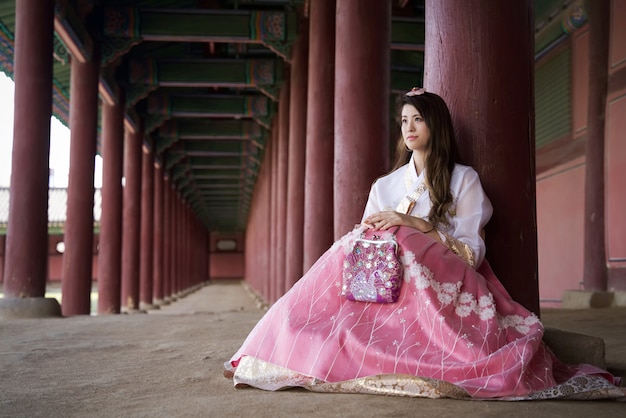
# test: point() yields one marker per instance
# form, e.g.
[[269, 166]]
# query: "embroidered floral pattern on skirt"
[[454, 332]]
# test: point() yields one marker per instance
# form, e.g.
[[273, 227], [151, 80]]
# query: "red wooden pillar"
[[158, 231], [209, 237], [190, 249], [204, 253], [173, 244], [595, 267], [110, 255], [174, 248], [180, 248], [263, 233], [318, 179], [265, 285], [78, 229], [362, 67], [281, 192], [146, 247], [297, 149], [203, 266], [131, 224], [258, 230], [184, 247], [26, 263], [198, 249], [167, 239], [191, 279], [2, 257], [491, 101], [187, 233], [272, 253], [194, 248], [251, 274]]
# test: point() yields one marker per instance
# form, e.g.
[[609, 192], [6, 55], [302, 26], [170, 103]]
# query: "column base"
[[132, 311], [573, 348], [585, 299], [619, 298], [143, 306], [259, 301], [14, 308]]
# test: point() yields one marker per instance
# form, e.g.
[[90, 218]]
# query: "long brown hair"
[[442, 151]]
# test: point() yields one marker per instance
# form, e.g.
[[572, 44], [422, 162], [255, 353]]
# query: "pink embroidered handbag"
[[372, 271]]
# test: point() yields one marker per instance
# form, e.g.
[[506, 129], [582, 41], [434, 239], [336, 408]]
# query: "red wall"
[[2, 240], [561, 182], [616, 189], [616, 148], [226, 264], [560, 215]]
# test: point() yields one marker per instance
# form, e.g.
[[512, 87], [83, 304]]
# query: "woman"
[[431, 207], [453, 332]]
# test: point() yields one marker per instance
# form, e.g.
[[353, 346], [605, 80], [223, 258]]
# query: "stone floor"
[[169, 362]]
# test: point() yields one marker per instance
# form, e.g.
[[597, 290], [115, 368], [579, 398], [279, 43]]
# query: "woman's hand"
[[382, 221]]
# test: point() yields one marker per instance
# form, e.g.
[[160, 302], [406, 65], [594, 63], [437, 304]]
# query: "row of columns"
[[151, 245], [347, 140], [328, 142], [346, 89]]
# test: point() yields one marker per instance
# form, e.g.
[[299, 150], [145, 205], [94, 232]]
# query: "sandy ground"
[[169, 362]]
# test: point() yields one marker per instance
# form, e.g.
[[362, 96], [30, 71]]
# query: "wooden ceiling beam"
[[265, 75], [275, 29], [209, 106]]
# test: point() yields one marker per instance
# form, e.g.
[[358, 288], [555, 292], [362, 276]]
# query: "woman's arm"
[[379, 217], [470, 215], [387, 219]]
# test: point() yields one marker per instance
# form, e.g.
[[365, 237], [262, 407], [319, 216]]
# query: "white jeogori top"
[[468, 214]]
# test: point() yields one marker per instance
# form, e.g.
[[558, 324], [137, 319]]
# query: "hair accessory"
[[416, 91]]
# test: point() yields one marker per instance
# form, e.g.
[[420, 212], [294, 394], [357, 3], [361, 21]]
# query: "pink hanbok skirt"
[[454, 332]]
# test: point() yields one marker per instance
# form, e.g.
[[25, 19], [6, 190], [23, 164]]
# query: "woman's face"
[[414, 130]]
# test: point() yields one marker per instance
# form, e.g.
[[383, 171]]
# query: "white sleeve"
[[373, 202], [473, 211]]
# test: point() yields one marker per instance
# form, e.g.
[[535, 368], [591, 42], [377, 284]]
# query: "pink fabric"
[[450, 323]]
